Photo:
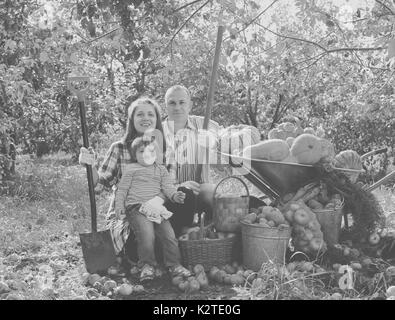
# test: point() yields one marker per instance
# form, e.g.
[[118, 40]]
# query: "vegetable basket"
[[207, 252]]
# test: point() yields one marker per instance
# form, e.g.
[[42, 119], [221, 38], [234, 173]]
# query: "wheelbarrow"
[[275, 179]]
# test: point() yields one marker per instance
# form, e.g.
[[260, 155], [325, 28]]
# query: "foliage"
[[324, 62]]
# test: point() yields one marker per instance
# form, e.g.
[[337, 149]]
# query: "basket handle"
[[235, 177]]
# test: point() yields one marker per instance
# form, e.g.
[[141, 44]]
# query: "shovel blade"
[[98, 251]]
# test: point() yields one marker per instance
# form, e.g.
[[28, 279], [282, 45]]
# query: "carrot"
[[302, 191], [311, 194]]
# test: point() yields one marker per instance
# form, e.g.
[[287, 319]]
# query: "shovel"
[[97, 247]]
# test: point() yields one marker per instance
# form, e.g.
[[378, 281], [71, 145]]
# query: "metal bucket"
[[330, 221], [262, 244]]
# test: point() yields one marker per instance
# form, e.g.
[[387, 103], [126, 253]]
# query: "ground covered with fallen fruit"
[[41, 257]]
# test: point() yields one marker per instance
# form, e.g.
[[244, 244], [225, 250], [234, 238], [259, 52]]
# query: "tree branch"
[[104, 35], [186, 5], [182, 26], [385, 6], [253, 20], [293, 38]]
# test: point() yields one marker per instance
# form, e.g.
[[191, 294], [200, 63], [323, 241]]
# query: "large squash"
[[274, 150], [349, 159], [277, 133], [307, 149]]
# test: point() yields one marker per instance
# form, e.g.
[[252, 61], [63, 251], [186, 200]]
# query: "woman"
[[143, 118]]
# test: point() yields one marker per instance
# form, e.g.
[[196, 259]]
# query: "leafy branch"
[[252, 20], [185, 22], [385, 6]]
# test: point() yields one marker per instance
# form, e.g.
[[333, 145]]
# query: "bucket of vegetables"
[[230, 209]]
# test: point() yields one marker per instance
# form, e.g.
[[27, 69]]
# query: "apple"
[[301, 217], [125, 289], [374, 239], [198, 269]]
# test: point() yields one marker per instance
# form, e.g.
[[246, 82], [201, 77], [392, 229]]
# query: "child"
[[140, 196]]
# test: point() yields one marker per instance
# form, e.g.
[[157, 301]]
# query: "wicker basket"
[[207, 252], [228, 211]]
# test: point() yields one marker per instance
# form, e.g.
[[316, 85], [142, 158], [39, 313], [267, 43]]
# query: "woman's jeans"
[[146, 231]]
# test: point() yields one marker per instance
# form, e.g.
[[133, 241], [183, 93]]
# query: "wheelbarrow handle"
[[374, 152], [387, 178]]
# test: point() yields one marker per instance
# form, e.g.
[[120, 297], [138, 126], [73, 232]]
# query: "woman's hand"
[[193, 185], [88, 157]]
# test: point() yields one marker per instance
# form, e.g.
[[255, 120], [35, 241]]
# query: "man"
[[185, 150]]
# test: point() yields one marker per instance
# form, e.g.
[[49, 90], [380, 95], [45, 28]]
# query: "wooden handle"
[[210, 96]]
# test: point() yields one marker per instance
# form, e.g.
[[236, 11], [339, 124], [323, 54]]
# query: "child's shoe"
[[147, 273], [179, 270]]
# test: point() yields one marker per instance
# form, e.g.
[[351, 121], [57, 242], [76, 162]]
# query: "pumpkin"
[[274, 150], [309, 130], [349, 159], [307, 149], [276, 133], [289, 127]]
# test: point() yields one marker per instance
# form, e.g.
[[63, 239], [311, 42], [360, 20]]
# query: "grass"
[[46, 209]]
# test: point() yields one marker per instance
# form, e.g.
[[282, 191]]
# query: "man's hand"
[[87, 156], [193, 185], [179, 197]]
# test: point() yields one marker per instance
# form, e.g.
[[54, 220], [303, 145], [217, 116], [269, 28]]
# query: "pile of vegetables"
[[194, 283], [306, 230], [304, 149], [205, 233], [316, 197], [367, 213], [233, 274], [105, 286], [266, 216]]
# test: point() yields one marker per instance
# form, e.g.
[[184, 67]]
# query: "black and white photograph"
[[192, 155]]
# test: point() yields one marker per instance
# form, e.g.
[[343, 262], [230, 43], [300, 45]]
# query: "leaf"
[[44, 57], [223, 60], [74, 58], [391, 49]]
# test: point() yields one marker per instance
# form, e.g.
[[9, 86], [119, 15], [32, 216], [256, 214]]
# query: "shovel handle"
[[88, 167], [80, 92]]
